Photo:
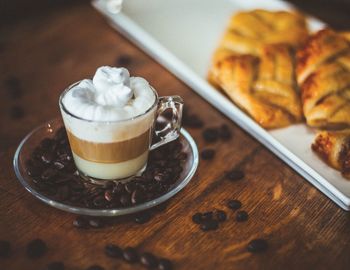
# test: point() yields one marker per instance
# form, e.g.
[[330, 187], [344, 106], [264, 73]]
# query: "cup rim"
[[62, 106]]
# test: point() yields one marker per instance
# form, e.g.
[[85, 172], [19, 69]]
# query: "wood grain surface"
[[42, 53]]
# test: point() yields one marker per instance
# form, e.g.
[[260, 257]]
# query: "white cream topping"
[[111, 95]]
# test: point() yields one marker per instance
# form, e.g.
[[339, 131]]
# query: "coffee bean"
[[125, 199], [55, 266], [34, 171], [165, 264], [129, 187], [207, 215], [80, 222], [48, 174], [109, 195], [221, 215], [208, 154], [5, 249], [210, 135], [242, 216], [123, 60], [130, 255], [47, 157], [235, 175], [36, 248], [95, 267], [113, 251], [99, 201], [16, 112], [192, 121], [257, 245], [13, 86], [137, 197], [96, 222], [118, 189], [209, 225], [234, 204], [225, 133], [148, 260], [143, 217], [58, 165], [160, 177], [197, 218]]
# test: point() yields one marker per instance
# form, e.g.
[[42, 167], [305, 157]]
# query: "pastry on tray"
[[249, 31], [334, 148], [254, 65], [264, 87], [323, 73]]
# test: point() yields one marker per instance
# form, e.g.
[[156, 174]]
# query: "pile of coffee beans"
[[132, 256], [53, 173], [210, 220]]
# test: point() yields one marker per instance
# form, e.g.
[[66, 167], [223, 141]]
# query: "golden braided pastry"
[[323, 73], [265, 88], [249, 31], [334, 149]]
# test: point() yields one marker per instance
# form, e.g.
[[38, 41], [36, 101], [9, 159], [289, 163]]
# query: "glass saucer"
[[48, 130]]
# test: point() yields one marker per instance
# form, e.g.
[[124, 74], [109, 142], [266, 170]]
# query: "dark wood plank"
[[305, 230]]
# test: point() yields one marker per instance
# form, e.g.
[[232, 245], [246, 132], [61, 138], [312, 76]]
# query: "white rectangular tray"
[[182, 36]]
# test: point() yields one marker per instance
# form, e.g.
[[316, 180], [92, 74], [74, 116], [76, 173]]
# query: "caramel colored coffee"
[[113, 152]]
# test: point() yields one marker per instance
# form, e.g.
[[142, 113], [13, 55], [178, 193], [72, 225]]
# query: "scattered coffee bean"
[[165, 264], [58, 165], [235, 175], [221, 215], [95, 267], [208, 154], [55, 266], [5, 249], [148, 260], [36, 248], [80, 222], [197, 218], [257, 245], [209, 225], [234, 204], [16, 112], [210, 135], [143, 217], [99, 201], [13, 86], [130, 255], [225, 133], [113, 251], [191, 120], [241, 216], [96, 222], [123, 60]]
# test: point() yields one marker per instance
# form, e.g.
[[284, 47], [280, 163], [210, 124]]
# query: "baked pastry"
[[248, 32], [334, 149], [264, 87], [323, 73]]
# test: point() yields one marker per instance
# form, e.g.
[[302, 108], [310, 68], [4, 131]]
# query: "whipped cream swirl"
[[111, 95]]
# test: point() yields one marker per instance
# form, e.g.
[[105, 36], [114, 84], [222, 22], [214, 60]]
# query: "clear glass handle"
[[171, 131]]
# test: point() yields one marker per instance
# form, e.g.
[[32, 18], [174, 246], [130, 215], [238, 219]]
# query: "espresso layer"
[[110, 152]]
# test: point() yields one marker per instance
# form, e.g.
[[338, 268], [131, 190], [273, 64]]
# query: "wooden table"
[[42, 53]]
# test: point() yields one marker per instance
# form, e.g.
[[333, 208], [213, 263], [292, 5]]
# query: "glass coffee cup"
[[117, 150]]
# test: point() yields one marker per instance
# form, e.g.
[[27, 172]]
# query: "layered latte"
[[109, 122]]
